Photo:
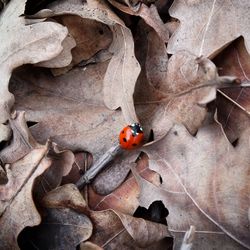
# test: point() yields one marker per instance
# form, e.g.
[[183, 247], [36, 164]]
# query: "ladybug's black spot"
[[124, 139], [123, 131], [134, 144]]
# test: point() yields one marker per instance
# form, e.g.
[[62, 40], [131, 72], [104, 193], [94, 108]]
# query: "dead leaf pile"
[[74, 73]]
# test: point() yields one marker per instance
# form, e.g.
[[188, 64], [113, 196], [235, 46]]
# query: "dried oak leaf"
[[123, 69], [23, 44], [124, 198], [61, 166], [206, 27], [90, 37], [205, 181], [22, 141], [173, 94], [16, 196], [69, 109], [233, 103], [109, 224], [61, 228]]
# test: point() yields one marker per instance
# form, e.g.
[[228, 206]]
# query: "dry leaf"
[[16, 196], [199, 169], [149, 14], [24, 44], [64, 58], [233, 103], [60, 229], [206, 27], [109, 224], [171, 97], [22, 142], [123, 70], [52, 177], [75, 118], [124, 198]]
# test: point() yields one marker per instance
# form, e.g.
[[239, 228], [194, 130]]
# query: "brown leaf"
[[22, 142], [123, 69], [52, 177], [64, 58], [114, 174], [233, 103], [24, 44], [124, 198], [110, 224], [60, 229], [149, 14], [208, 26], [91, 36], [198, 169], [87, 245], [175, 94], [73, 117], [16, 196]]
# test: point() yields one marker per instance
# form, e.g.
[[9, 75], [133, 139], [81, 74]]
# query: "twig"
[[188, 239], [99, 165]]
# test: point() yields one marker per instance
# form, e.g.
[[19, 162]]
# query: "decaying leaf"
[[67, 227], [109, 224], [206, 27], [22, 142], [73, 117], [199, 169], [233, 103], [16, 196], [123, 69], [22, 44], [173, 95]]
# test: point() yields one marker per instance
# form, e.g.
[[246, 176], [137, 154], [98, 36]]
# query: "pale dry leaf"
[[16, 196], [23, 44], [52, 177], [172, 96], [87, 245], [90, 36], [182, 214], [124, 198], [210, 172], [115, 173], [69, 109], [22, 141], [110, 224], [123, 69], [206, 27], [233, 104], [149, 14], [64, 58]]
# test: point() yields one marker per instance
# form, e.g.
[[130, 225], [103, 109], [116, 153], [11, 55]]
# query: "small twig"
[[98, 166], [188, 239]]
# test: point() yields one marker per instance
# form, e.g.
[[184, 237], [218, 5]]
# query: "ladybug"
[[131, 136]]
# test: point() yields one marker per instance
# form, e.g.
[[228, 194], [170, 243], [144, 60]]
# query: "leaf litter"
[[95, 66]]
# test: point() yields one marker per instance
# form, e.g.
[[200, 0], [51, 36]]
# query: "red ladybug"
[[131, 136]]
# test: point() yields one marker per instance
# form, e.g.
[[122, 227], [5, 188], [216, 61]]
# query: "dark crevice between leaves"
[[156, 212], [33, 6], [31, 123], [235, 142]]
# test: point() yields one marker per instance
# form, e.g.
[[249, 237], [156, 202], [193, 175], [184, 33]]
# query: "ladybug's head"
[[136, 129]]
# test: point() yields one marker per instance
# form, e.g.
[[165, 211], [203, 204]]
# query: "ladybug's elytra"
[[131, 136]]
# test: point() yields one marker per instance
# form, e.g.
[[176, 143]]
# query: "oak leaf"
[[23, 44], [197, 170], [206, 27]]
